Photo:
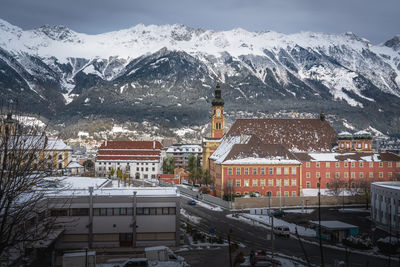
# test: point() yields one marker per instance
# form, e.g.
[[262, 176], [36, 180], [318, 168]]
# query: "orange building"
[[210, 144]]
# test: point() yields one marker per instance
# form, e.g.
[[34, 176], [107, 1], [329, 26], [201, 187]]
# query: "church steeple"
[[218, 117], [217, 101]]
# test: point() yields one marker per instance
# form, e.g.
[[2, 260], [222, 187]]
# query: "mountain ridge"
[[160, 67]]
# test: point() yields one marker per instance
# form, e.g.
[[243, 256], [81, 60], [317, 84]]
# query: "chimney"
[[322, 116]]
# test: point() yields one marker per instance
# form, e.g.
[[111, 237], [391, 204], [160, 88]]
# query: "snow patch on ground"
[[299, 211], [192, 218]]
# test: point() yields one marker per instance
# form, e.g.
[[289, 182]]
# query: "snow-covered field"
[[303, 231], [192, 218]]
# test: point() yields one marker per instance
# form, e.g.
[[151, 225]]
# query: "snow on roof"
[[140, 192], [323, 156], [78, 182], [390, 185], [362, 132], [74, 164], [225, 147], [155, 248], [345, 134], [57, 145], [333, 225], [251, 160]]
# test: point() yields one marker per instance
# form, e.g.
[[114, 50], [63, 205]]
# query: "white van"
[[282, 230]]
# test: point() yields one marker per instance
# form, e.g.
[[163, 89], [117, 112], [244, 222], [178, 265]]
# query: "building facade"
[[385, 206], [181, 154], [135, 159]]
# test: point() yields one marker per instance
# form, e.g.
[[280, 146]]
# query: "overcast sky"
[[375, 20]]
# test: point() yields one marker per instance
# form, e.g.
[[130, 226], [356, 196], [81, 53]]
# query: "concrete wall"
[[262, 202]]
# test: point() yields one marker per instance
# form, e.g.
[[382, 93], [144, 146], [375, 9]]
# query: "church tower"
[[210, 144], [218, 117]]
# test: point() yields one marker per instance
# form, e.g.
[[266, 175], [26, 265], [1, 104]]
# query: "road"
[[254, 237]]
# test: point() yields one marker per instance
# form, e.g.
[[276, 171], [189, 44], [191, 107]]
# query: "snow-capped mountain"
[[169, 72]]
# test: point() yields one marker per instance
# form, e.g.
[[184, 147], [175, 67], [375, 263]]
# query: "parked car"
[[192, 202], [282, 230], [278, 213]]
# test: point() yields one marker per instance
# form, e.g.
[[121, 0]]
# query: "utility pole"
[[272, 236], [134, 219], [319, 222], [230, 252]]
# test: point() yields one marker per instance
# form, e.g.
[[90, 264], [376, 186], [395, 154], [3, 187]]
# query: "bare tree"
[[23, 206], [336, 186]]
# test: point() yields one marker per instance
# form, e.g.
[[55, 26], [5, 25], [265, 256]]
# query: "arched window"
[[60, 157], [268, 194], [60, 166]]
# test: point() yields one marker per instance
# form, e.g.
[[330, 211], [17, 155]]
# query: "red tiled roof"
[[294, 134], [130, 145], [255, 148], [125, 158], [105, 152]]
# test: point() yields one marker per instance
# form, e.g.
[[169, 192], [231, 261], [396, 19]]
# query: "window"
[[262, 171], [308, 175], [327, 164], [398, 164], [353, 164], [371, 175], [278, 171], [389, 175], [246, 183], [79, 212], [359, 145], [380, 174], [294, 170], [246, 171], [381, 164], [286, 170], [317, 164], [328, 175], [60, 157], [58, 212], [346, 175], [237, 183], [229, 171], [337, 164], [286, 182], [147, 169], [346, 164], [278, 194], [361, 175], [268, 194], [237, 171], [371, 164], [271, 171], [270, 182], [317, 174], [254, 170], [353, 175], [389, 164], [60, 166], [293, 193], [255, 182], [293, 182], [286, 193], [366, 146], [278, 182], [262, 182], [317, 185], [153, 169], [308, 184], [308, 164]]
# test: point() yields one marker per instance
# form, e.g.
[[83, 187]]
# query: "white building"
[[102, 216], [136, 159], [182, 152], [385, 205]]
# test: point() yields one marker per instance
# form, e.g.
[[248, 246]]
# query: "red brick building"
[[290, 157]]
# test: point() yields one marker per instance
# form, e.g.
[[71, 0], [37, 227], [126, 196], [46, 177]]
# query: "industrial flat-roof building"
[[385, 205], [103, 216]]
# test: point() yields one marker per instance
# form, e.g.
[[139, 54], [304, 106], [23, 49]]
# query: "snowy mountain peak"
[[393, 43], [58, 32]]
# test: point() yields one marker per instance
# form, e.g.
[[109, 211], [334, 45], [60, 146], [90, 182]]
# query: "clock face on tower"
[[218, 112]]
